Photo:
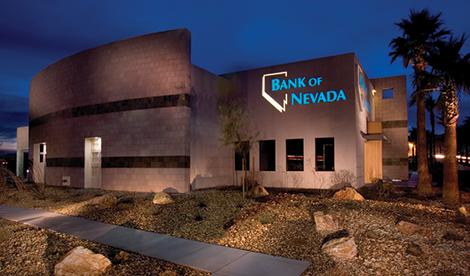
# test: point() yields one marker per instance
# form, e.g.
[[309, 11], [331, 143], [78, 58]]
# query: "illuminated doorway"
[[39, 163], [92, 162]]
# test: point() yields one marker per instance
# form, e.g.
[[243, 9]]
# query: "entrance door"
[[92, 162], [372, 161], [39, 163]]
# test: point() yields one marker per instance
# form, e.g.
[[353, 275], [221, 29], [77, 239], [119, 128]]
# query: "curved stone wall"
[[134, 95]]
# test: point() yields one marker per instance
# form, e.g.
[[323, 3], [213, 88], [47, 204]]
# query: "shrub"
[[198, 217], [385, 188], [201, 204]]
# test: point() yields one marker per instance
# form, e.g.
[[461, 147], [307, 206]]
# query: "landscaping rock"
[[348, 193], [122, 256], [408, 228], [162, 198], [463, 212], [341, 249], [104, 201], [82, 261], [258, 191], [343, 233], [126, 200], [168, 273], [414, 249], [324, 223]]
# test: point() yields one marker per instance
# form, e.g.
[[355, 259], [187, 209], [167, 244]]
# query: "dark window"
[[267, 155], [387, 93], [41, 158], [245, 152], [325, 154], [295, 154], [41, 148]]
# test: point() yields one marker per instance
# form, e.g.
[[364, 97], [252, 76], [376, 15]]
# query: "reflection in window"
[[324, 154], [295, 154]]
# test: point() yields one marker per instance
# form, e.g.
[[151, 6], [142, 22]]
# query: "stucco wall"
[[87, 95], [21, 147], [211, 161], [335, 119]]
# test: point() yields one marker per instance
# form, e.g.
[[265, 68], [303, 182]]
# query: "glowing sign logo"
[[281, 82], [363, 89]]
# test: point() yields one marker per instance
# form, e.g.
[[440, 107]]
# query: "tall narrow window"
[[42, 153], [244, 152], [325, 154], [295, 154], [267, 155]]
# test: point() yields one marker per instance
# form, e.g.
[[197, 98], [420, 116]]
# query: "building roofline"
[[288, 63]]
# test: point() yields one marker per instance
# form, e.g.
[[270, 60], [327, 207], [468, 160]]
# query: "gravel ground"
[[282, 225], [28, 250]]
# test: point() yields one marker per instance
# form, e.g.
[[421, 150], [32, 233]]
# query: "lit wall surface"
[[156, 116]]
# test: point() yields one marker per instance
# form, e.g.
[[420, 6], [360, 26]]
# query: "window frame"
[[317, 166], [294, 156]]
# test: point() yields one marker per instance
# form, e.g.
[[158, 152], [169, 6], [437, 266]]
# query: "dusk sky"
[[226, 36]]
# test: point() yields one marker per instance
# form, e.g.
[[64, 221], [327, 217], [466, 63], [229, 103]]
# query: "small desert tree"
[[235, 127]]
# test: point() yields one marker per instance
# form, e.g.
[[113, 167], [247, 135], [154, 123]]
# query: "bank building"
[[137, 115]]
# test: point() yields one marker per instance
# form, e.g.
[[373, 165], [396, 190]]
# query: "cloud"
[[7, 144]]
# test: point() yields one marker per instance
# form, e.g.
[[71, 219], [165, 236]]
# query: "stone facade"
[[393, 113]]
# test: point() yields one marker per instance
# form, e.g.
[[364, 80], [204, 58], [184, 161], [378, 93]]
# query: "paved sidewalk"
[[218, 260]]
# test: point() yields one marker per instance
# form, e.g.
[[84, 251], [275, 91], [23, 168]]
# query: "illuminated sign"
[[363, 89], [306, 91]]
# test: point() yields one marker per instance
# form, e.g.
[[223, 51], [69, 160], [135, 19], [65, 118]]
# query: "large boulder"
[[348, 193], [463, 212], [408, 228], [82, 261], [104, 201], [324, 223], [341, 249], [258, 191], [162, 198]]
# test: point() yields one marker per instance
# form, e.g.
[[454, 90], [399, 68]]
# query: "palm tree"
[[453, 71], [419, 35], [430, 105]]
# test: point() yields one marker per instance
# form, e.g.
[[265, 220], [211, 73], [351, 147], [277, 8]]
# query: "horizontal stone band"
[[395, 161], [116, 106], [125, 162], [65, 162], [395, 124]]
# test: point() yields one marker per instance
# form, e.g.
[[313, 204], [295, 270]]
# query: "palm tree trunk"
[[450, 189], [424, 178], [433, 138]]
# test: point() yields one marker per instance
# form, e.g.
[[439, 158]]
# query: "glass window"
[[245, 152], [267, 155], [295, 154], [325, 154], [387, 93]]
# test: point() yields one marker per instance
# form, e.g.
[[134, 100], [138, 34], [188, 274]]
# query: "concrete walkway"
[[218, 260]]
